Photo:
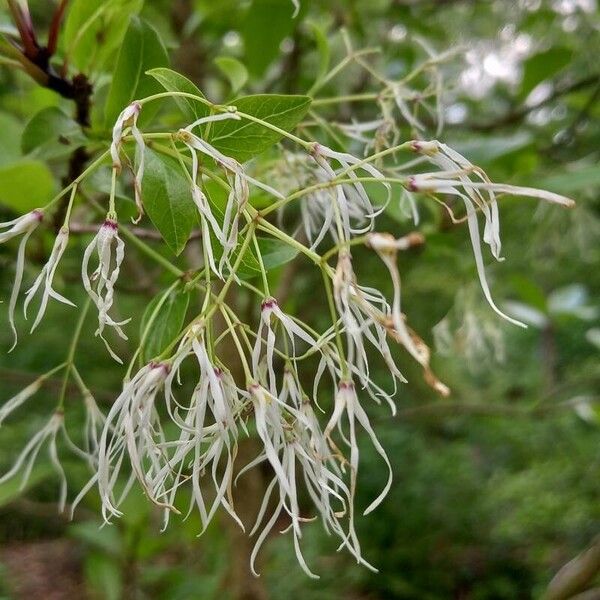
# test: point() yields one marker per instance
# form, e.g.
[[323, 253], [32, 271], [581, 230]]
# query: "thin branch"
[[516, 115]]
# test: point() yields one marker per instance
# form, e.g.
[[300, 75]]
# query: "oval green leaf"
[[142, 49], [167, 199], [51, 133], [243, 139], [174, 82], [164, 318], [25, 185]]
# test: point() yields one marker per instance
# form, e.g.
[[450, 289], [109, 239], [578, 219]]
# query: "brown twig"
[[516, 115]]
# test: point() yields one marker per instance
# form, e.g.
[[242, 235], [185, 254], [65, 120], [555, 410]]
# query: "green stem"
[[71, 354], [334, 321]]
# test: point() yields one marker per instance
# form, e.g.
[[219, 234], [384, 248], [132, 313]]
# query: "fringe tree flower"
[[347, 195], [347, 402], [297, 449], [227, 233], [387, 248], [94, 423], [274, 427], [215, 399], [110, 250], [455, 179], [270, 309], [357, 308], [132, 428], [26, 460], [401, 94], [381, 129], [128, 118], [25, 226], [46, 278]]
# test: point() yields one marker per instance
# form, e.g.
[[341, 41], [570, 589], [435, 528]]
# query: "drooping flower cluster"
[[164, 434]]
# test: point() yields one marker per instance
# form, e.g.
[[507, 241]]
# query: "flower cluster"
[[177, 422]]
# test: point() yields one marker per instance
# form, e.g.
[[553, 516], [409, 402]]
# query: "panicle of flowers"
[[45, 278], [25, 226], [128, 118], [109, 249], [278, 425]]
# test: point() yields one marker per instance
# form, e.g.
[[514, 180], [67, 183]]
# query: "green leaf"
[[164, 317], [94, 30], [245, 139], [141, 50], [25, 185], [167, 199], [542, 66], [275, 252], [234, 70], [11, 132], [51, 134], [174, 82], [266, 24]]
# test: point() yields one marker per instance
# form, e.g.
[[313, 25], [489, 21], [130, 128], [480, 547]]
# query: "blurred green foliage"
[[496, 487]]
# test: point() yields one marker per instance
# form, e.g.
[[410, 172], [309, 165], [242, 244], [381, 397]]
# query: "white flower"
[[270, 309], [381, 128], [26, 460], [347, 402], [362, 321], [455, 178], [94, 423], [132, 429], [387, 248], [24, 225], [347, 200], [227, 233], [273, 425], [128, 118], [46, 278], [105, 276], [401, 94], [208, 430]]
